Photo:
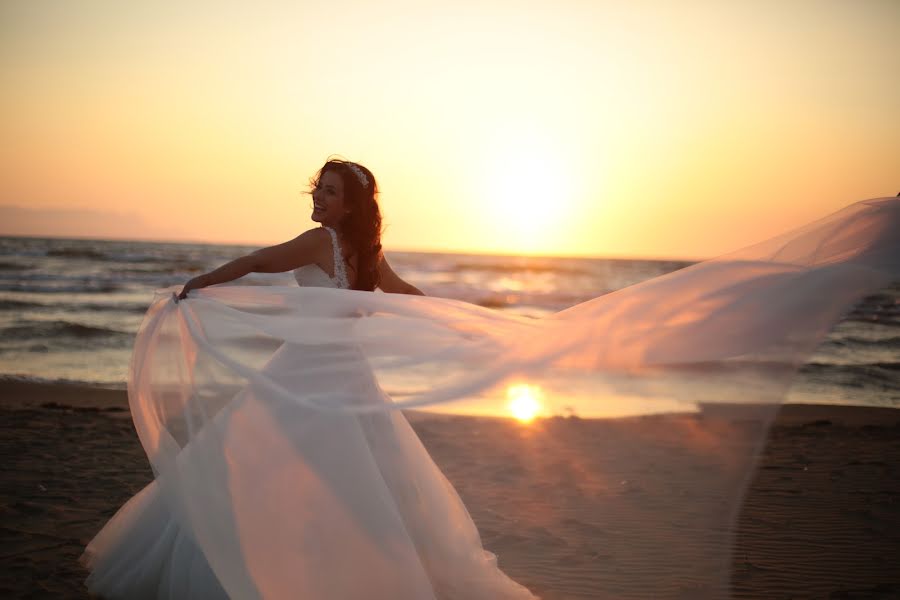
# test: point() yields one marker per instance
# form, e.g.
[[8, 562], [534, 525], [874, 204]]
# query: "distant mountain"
[[82, 223]]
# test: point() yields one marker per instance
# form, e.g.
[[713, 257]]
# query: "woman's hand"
[[194, 284]]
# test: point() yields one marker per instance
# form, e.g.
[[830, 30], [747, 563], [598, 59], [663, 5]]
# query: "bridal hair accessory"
[[359, 174]]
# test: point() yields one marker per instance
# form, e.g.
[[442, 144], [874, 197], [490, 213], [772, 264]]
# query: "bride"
[[284, 470], [344, 202], [330, 506]]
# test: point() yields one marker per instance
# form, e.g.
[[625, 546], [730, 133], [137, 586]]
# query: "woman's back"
[[314, 275]]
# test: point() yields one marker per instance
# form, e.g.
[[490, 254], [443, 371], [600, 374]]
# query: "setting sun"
[[525, 184], [524, 401]]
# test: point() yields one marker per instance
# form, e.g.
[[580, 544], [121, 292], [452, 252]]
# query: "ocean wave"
[[33, 287], [88, 253], [874, 319], [164, 268], [140, 262], [856, 343], [31, 330], [884, 375], [130, 308], [882, 308], [95, 278], [34, 380], [17, 305], [9, 266]]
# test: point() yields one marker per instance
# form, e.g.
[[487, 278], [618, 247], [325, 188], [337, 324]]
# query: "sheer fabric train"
[[284, 468]]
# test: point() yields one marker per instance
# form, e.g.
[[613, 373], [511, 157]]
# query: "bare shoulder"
[[312, 240], [318, 235], [315, 241]]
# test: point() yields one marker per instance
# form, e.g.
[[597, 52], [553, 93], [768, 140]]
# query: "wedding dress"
[[368, 515], [285, 470]]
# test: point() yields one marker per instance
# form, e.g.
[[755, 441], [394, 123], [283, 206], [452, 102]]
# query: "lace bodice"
[[312, 275]]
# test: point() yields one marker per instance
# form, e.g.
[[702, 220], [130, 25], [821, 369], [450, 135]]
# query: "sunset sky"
[[646, 129]]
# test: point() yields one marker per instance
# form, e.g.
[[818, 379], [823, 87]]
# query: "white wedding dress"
[[283, 469], [367, 515]]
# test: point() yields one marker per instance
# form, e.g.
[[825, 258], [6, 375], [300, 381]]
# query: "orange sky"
[[648, 128]]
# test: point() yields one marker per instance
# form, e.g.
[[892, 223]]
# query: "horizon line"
[[149, 240]]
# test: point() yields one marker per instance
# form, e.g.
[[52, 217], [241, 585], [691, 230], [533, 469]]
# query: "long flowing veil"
[[662, 394]]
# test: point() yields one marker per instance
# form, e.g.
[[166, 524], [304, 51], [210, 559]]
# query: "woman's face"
[[328, 200]]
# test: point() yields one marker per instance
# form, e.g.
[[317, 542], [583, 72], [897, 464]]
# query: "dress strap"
[[340, 270]]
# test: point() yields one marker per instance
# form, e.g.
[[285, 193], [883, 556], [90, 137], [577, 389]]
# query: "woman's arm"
[[302, 250], [391, 282]]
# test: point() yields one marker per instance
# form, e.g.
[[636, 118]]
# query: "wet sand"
[[573, 508]]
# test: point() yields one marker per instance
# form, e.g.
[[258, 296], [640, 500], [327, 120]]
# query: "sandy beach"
[[821, 517]]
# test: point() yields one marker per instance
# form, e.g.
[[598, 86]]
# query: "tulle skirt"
[[285, 471], [299, 503]]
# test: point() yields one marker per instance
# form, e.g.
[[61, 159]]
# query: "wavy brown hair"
[[361, 227]]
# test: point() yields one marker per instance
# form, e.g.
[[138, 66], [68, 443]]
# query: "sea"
[[70, 308]]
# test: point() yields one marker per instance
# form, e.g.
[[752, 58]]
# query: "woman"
[[272, 498], [345, 203], [285, 471]]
